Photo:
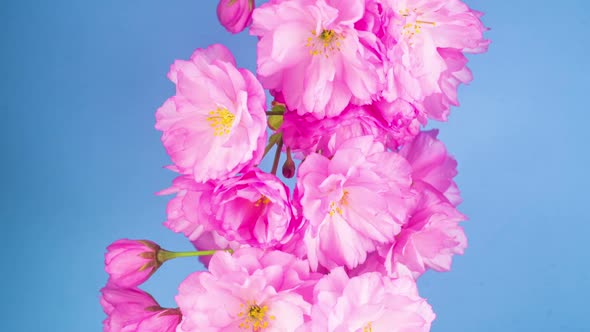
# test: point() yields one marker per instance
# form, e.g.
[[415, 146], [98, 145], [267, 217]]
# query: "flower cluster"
[[375, 202]]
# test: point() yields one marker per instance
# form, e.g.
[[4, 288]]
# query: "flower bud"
[[131, 309], [235, 15], [131, 262], [289, 166]]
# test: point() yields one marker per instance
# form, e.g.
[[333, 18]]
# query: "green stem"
[[164, 255], [275, 163], [274, 138]]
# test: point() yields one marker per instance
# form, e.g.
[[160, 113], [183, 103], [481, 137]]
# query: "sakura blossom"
[[250, 290], [215, 124], [311, 53], [367, 201], [431, 237], [254, 209], [354, 201], [368, 302]]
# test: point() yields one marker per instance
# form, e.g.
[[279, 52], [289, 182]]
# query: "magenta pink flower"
[[368, 302], [311, 53], [424, 39], [250, 290], [190, 211], [215, 125], [131, 309], [131, 262], [353, 201], [251, 209], [432, 164], [235, 15], [430, 238], [254, 209], [306, 134]]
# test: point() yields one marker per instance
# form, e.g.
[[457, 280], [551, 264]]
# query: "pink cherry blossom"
[[250, 290], [368, 302], [254, 209], [311, 53], [214, 126], [432, 164], [388, 124], [131, 262], [130, 309], [235, 15], [431, 237], [352, 202], [423, 41], [190, 211]]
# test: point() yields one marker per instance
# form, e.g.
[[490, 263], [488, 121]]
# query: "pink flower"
[[254, 209], [432, 164], [424, 40], [430, 238], [311, 53], [215, 125], [352, 202], [250, 290], [251, 209], [235, 15], [190, 211], [131, 309], [368, 302], [131, 262]]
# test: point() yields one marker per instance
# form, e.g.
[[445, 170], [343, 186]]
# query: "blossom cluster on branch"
[[375, 202]]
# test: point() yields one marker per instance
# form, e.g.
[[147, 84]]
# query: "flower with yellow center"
[[254, 317]]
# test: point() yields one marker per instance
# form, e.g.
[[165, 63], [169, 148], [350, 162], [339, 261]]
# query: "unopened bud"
[[128, 308], [129, 263], [289, 166]]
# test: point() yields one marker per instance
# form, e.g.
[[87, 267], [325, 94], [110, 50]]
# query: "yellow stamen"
[[263, 200], [221, 120], [410, 29], [336, 207], [325, 44], [255, 317]]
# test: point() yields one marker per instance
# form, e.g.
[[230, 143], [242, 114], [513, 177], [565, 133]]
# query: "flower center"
[[263, 200], [413, 25], [368, 327], [336, 207], [254, 317], [221, 120], [326, 43]]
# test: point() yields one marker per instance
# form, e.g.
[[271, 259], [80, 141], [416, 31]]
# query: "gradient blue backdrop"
[[80, 159]]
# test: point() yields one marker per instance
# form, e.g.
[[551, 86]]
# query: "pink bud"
[[131, 262], [289, 168], [235, 15], [131, 309]]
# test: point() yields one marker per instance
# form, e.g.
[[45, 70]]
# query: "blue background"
[[81, 81]]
